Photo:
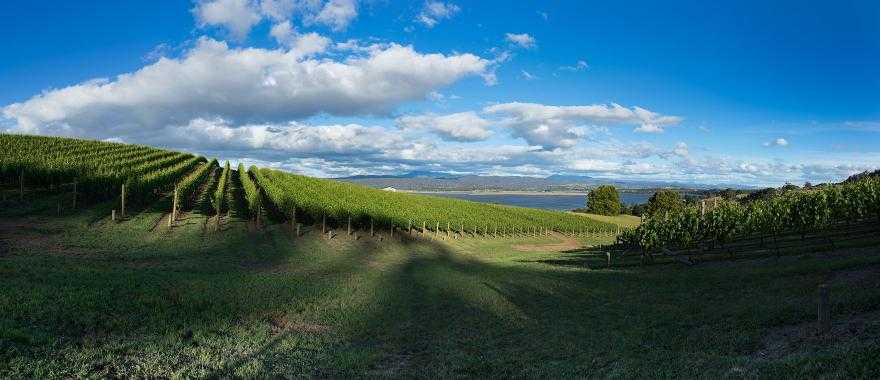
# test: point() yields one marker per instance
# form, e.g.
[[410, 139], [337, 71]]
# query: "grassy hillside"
[[626, 221], [339, 201], [81, 296]]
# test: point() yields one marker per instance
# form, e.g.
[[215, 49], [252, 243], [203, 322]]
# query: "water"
[[545, 201]]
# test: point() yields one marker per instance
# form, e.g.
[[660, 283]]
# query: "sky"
[[734, 93]]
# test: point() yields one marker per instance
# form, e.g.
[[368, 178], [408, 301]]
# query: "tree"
[[604, 200], [664, 201]]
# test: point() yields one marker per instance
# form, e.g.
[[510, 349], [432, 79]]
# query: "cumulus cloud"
[[336, 14], [435, 11], [562, 126], [237, 16], [463, 126], [302, 45], [523, 40], [291, 138], [777, 142], [243, 86]]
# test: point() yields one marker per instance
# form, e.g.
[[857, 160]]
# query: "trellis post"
[[323, 224], [349, 225], [74, 194], [371, 227], [173, 216]]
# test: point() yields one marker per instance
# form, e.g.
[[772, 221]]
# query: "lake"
[[546, 201]]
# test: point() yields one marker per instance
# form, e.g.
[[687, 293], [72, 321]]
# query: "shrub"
[[604, 200], [664, 201]]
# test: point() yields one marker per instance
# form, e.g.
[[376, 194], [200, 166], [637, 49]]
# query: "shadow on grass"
[[263, 304]]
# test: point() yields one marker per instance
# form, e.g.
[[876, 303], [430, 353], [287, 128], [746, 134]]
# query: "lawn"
[[83, 297], [622, 220]]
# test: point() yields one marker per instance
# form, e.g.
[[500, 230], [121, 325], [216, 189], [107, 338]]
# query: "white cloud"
[[302, 45], [562, 126], [681, 150], [777, 142], [463, 126], [237, 16], [242, 86], [434, 11], [291, 138], [336, 14], [278, 10], [581, 65], [527, 75], [522, 40]]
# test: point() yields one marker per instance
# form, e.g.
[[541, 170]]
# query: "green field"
[[81, 296], [216, 282]]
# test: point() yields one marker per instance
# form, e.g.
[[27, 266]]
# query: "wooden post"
[[298, 233], [409, 226], [122, 212], [74, 194], [702, 208], [437, 230], [293, 220], [424, 223], [173, 216], [608, 254], [113, 215], [392, 232], [371, 228], [323, 224], [447, 229], [349, 225], [824, 311]]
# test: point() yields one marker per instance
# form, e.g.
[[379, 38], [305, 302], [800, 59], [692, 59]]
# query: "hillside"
[[242, 280], [98, 170]]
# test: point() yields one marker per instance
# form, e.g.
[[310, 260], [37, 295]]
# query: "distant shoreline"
[[490, 192], [515, 192]]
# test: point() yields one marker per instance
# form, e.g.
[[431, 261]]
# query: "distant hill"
[[437, 181]]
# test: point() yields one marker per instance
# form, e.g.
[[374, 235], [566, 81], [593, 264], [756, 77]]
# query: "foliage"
[[800, 212], [251, 193], [98, 168], [187, 187], [217, 201], [664, 201], [316, 198], [604, 200]]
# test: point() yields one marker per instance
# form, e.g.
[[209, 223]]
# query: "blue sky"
[[741, 93]]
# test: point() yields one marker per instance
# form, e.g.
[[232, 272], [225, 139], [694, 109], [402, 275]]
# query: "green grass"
[[82, 297], [627, 221]]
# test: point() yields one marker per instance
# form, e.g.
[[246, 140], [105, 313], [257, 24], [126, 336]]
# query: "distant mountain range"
[[437, 181]]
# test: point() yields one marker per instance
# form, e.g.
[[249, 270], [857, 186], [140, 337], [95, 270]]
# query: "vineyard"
[[829, 214], [134, 176], [317, 199]]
